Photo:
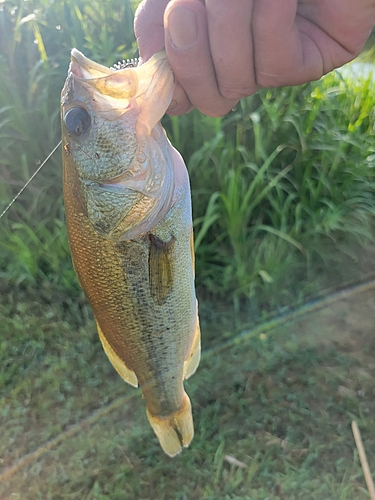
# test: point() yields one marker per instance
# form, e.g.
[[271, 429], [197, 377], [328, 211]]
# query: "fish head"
[[113, 140]]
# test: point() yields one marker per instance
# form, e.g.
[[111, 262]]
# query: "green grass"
[[34, 58], [275, 183], [283, 201], [281, 403]]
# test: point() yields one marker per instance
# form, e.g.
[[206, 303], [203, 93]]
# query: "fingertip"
[[180, 110], [180, 103], [190, 57], [184, 22], [195, 6], [219, 110]]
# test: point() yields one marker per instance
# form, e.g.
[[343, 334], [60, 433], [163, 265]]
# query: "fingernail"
[[182, 26], [172, 107]]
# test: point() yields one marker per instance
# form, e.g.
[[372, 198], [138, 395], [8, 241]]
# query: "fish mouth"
[[122, 84], [150, 85], [123, 100], [83, 67]]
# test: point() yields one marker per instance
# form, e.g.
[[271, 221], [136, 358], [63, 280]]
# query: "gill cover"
[[112, 132]]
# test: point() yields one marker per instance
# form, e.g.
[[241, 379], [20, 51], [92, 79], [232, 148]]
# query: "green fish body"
[[128, 212]]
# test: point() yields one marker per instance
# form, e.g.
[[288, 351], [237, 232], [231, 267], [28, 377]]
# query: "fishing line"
[[96, 415], [28, 182]]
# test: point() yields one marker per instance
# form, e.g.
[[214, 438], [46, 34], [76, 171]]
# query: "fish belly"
[[143, 298]]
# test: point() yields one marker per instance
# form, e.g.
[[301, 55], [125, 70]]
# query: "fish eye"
[[77, 121]]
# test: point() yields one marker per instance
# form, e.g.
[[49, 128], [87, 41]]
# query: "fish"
[[128, 214]]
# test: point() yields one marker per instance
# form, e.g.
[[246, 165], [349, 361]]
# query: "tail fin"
[[175, 430]]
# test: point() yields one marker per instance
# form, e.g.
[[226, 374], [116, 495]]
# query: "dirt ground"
[[347, 322]]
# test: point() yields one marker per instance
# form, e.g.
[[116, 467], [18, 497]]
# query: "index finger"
[[189, 53]]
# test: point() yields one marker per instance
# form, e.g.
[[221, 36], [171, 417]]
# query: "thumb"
[[149, 27]]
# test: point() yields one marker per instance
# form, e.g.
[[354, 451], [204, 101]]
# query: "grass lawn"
[[272, 410], [283, 198]]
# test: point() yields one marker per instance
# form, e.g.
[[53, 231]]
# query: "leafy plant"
[[35, 42], [274, 182], [278, 179]]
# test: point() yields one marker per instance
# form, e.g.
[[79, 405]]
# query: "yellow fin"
[[174, 431], [192, 362], [160, 268], [128, 375]]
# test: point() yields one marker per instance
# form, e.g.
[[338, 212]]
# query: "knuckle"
[[269, 79], [216, 112], [181, 108], [233, 92], [288, 75]]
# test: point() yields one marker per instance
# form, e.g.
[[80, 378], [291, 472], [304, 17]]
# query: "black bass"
[[128, 212]]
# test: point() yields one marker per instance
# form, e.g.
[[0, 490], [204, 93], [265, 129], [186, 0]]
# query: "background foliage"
[[276, 183], [283, 201]]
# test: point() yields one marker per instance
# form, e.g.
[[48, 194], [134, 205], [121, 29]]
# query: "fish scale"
[[131, 236]]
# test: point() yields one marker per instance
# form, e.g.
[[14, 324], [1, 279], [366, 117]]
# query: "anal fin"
[[128, 375]]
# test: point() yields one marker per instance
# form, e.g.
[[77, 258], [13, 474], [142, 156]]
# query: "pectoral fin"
[[160, 268], [128, 375]]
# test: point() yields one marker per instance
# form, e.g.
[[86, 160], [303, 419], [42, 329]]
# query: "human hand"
[[223, 50]]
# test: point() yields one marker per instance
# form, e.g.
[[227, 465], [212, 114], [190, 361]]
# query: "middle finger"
[[229, 27]]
